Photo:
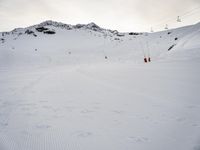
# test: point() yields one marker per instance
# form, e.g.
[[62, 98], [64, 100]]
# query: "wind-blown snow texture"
[[65, 87]]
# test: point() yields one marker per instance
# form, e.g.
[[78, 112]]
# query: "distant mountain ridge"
[[90, 26], [56, 43]]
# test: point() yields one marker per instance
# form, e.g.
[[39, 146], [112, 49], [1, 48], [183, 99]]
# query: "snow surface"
[[58, 92]]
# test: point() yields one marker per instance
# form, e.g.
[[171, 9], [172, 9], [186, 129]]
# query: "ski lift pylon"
[[178, 19], [166, 26], [152, 29]]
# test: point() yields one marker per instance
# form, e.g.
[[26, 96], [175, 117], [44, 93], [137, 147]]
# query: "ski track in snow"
[[67, 96], [45, 115]]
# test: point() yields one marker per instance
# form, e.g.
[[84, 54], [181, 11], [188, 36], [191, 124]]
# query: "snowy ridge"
[[58, 43], [91, 26]]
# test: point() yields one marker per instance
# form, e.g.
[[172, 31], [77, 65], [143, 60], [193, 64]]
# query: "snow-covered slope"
[[57, 43], [81, 87]]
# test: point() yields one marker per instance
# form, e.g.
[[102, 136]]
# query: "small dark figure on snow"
[[149, 59], [145, 59]]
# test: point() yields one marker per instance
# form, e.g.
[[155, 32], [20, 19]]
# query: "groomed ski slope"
[[66, 96]]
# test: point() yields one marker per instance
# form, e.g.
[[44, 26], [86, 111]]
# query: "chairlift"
[[166, 27], [178, 19]]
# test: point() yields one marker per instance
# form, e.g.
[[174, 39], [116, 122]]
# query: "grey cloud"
[[118, 14]]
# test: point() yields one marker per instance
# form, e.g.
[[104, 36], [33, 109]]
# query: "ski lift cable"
[[181, 15], [186, 17], [169, 20], [188, 12], [191, 14]]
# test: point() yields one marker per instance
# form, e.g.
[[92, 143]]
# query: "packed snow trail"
[[105, 106]]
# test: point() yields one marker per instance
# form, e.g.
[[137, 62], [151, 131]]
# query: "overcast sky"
[[123, 15]]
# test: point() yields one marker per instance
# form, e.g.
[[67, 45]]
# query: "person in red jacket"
[[145, 59], [149, 59]]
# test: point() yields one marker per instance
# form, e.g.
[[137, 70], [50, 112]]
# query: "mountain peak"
[[91, 26], [44, 26], [48, 22], [53, 23]]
